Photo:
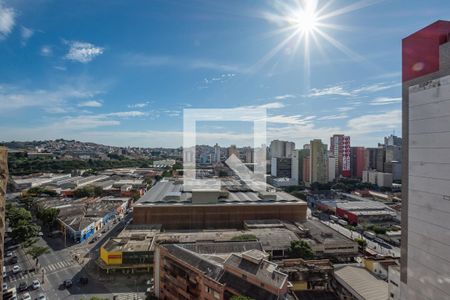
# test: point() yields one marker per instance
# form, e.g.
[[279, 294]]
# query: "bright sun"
[[307, 22]]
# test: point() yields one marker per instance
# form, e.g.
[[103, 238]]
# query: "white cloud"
[[385, 101], [341, 90], [333, 117], [7, 20], [345, 108], [57, 100], [83, 52], [329, 91], [46, 50], [26, 34], [296, 119], [143, 60], [90, 103], [127, 114], [85, 122], [139, 105], [382, 122], [283, 97]]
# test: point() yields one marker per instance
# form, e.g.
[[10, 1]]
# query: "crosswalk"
[[58, 266], [20, 276]]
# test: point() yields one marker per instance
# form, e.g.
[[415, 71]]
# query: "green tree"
[[300, 249], [27, 202], [15, 214], [48, 216], [362, 243], [36, 251], [24, 230]]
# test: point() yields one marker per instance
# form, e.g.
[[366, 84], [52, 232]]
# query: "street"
[[72, 263]]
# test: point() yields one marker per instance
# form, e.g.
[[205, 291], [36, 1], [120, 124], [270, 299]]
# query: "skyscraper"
[[281, 148], [216, 157], [340, 148], [357, 161], [425, 265], [297, 164], [318, 162]]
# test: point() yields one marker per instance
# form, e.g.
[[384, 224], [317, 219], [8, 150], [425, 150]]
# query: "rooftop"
[[360, 282], [170, 192]]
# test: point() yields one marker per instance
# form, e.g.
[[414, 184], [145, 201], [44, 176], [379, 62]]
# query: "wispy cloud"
[[382, 122], [142, 60], [91, 103], [127, 114], [139, 105], [26, 34], [7, 20], [46, 50], [385, 101], [57, 100], [341, 90], [82, 52], [295, 119], [333, 117], [284, 97]]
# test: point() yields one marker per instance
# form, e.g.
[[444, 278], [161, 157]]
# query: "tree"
[[24, 230], [362, 243], [88, 191], [15, 214], [300, 249], [48, 216], [36, 251], [27, 202]]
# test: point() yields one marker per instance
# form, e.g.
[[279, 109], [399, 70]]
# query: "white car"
[[41, 297], [16, 269], [35, 284], [26, 296], [9, 254]]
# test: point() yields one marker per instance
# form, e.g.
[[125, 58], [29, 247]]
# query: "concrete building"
[[233, 150], [298, 166], [168, 204], [425, 186], [340, 148], [216, 157], [379, 178], [357, 161], [393, 140], [3, 182], [281, 149], [281, 167], [181, 273], [364, 211], [356, 283], [394, 282], [331, 168], [318, 162]]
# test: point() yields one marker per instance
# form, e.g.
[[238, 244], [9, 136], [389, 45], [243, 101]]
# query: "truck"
[[342, 222]]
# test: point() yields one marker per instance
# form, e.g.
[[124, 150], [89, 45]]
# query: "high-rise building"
[[281, 148], [297, 164], [331, 167], [370, 158], [357, 161], [233, 150], [392, 140], [340, 148], [306, 170], [318, 162], [425, 250], [216, 157], [3, 181]]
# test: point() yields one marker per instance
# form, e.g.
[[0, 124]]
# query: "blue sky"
[[121, 72]]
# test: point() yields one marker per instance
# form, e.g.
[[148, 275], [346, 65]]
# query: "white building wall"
[[429, 192], [394, 283]]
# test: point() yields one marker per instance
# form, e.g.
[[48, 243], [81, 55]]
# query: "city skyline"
[[124, 80]]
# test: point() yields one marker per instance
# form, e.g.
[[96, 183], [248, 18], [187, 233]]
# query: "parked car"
[[35, 284], [16, 269], [41, 297], [5, 286], [26, 296], [9, 254], [67, 283], [14, 260], [23, 286]]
